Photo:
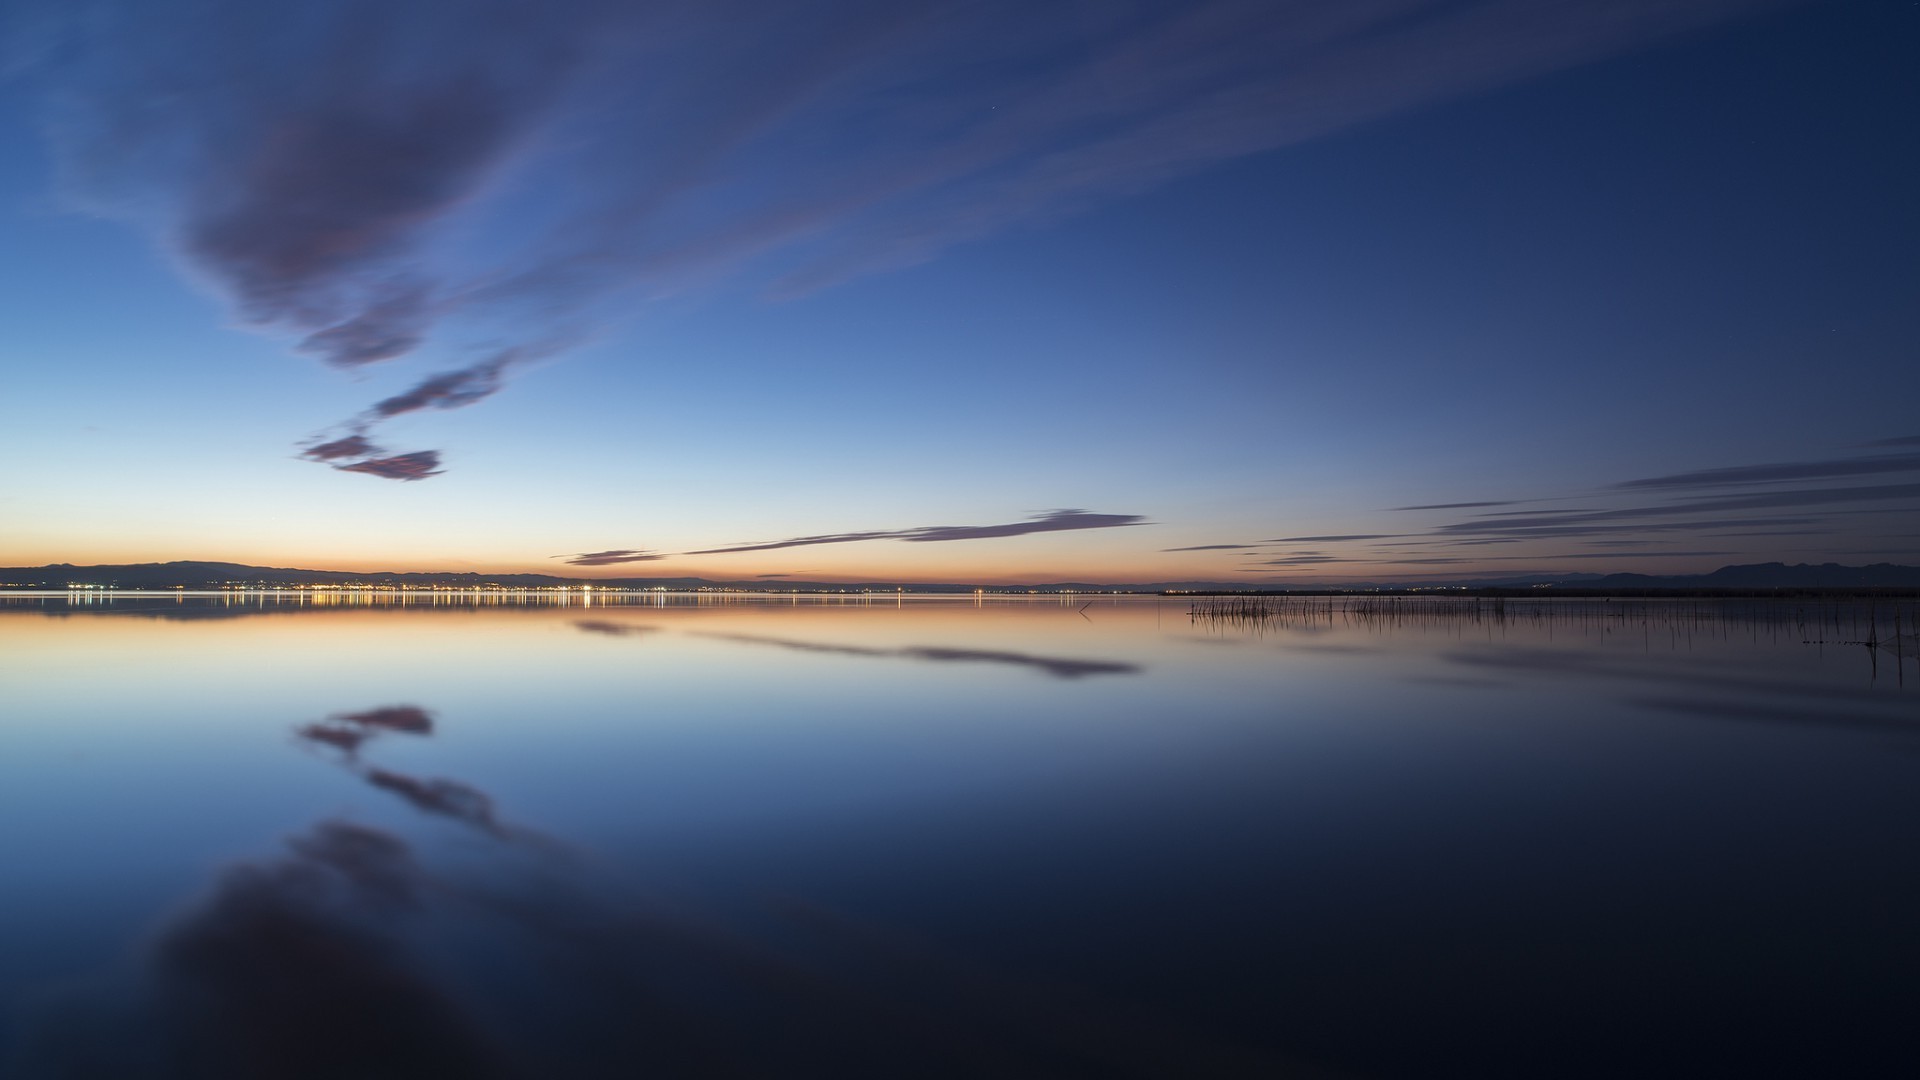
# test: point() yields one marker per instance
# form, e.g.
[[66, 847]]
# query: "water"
[[350, 836]]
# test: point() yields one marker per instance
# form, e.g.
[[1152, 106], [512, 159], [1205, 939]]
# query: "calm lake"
[[696, 835]]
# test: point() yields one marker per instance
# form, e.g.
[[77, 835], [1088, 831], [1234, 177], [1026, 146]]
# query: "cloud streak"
[[1778, 472], [1053, 521], [611, 558], [1722, 502]]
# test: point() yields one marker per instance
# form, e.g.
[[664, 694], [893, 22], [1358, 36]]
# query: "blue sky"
[[682, 278]]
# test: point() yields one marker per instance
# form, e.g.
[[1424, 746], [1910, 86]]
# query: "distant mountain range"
[[206, 575]]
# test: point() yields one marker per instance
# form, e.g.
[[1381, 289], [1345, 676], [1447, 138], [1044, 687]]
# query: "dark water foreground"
[[298, 837]]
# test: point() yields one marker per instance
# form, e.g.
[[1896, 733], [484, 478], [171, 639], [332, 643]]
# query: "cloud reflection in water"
[[328, 959], [1058, 667]]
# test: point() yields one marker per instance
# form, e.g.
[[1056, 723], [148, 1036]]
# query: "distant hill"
[[200, 575], [1771, 575], [214, 575]]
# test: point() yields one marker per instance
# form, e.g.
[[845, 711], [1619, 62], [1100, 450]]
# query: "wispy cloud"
[[1303, 560], [354, 175], [1334, 538], [1457, 505], [1780, 471], [393, 323], [1054, 521], [610, 558], [1692, 510], [1771, 500]]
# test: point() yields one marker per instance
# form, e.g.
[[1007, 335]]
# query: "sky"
[[1259, 292]]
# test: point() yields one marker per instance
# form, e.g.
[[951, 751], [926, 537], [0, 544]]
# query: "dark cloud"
[[1780, 471], [310, 160], [1212, 547], [415, 466], [334, 184], [1459, 505], [336, 170], [610, 558], [447, 390], [301, 178], [1055, 521], [351, 446]]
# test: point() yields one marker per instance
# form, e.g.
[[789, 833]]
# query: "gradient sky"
[[1119, 291]]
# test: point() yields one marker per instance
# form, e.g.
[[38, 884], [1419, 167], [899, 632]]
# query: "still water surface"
[[970, 837]]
